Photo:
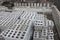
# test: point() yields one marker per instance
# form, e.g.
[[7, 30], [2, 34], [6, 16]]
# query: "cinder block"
[[50, 37], [40, 4], [31, 4], [38, 36], [28, 4], [37, 4], [50, 34], [50, 24], [44, 33], [40, 22], [1, 37], [34, 4], [44, 4], [48, 5], [38, 25]]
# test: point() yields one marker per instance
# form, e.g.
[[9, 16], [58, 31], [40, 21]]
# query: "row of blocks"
[[34, 4]]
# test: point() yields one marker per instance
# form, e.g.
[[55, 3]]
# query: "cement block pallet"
[[19, 22]]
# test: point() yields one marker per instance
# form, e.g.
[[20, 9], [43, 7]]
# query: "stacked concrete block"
[[34, 4], [48, 5], [22, 4], [50, 35], [38, 25], [19, 25], [44, 4], [40, 22], [31, 4], [38, 5], [38, 36], [51, 24], [1, 37], [25, 4], [44, 33], [28, 4], [43, 24]]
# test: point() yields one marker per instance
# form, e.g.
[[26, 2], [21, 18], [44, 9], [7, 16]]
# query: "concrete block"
[[38, 36]]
